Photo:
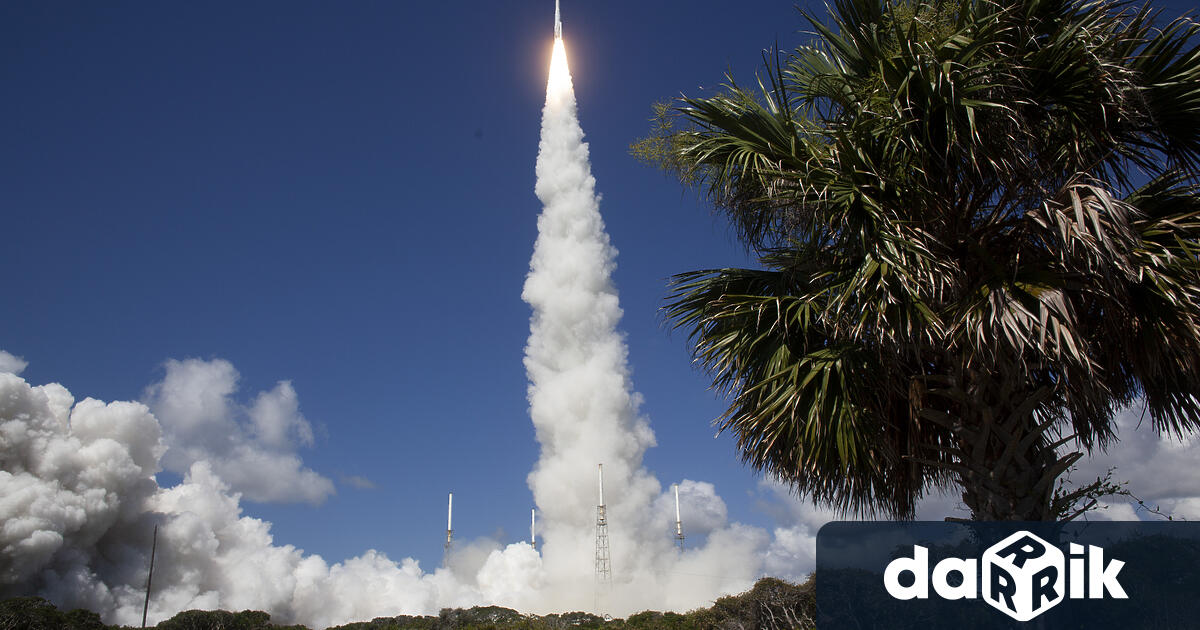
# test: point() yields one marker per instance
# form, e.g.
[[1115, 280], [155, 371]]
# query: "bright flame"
[[560, 74]]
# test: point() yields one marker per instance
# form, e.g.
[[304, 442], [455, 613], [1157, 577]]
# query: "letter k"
[[1103, 577]]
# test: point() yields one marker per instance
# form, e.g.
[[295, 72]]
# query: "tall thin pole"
[[678, 522], [449, 530], [150, 576], [533, 528]]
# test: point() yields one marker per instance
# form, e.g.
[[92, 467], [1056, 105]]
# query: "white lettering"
[[1103, 577], [966, 568], [1076, 572], [1023, 595], [918, 566]]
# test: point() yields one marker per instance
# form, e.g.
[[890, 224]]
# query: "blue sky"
[[340, 195]]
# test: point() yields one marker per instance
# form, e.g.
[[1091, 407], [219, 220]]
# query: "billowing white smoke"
[[75, 485], [251, 448], [79, 501], [586, 412]]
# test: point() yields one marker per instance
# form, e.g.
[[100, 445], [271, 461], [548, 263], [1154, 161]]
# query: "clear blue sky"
[[341, 195]]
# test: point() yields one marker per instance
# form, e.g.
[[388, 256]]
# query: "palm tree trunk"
[[1008, 464], [1007, 485]]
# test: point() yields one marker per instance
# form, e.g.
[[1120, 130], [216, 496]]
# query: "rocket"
[[557, 22]]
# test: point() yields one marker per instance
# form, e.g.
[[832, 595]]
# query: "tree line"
[[772, 604]]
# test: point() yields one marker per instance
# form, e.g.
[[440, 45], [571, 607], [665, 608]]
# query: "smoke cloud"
[[252, 448], [79, 500]]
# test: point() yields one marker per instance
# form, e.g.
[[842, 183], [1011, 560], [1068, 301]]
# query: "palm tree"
[[979, 229]]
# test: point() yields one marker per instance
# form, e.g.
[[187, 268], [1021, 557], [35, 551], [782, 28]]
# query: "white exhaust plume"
[[79, 502], [583, 405], [253, 448]]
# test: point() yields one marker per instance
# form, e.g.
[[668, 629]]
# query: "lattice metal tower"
[[603, 558]]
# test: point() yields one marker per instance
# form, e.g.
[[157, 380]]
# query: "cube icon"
[[1023, 576]]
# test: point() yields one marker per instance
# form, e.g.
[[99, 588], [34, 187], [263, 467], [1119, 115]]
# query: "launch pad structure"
[[603, 553]]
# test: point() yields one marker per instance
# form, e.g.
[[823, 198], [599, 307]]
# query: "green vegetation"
[[979, 227], [222, 620], [35, 613], [771, 604]]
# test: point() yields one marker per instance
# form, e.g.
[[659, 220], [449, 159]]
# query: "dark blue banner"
[[935, 575]]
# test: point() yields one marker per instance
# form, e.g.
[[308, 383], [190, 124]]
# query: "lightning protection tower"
[[449, 530], [603, 559], [678, 523]]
